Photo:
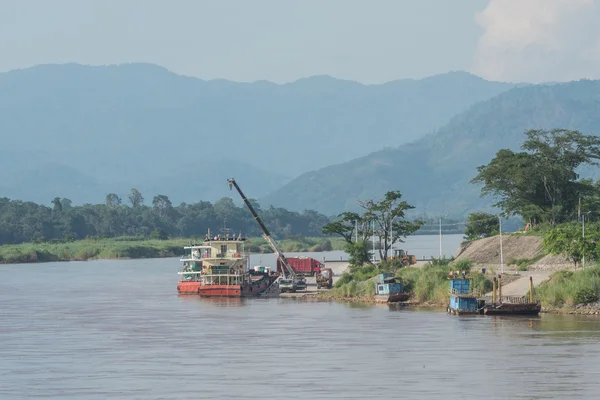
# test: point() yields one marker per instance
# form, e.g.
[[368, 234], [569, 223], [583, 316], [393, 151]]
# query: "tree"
[[351, 226], [567, 239], [57, 205], [345, 226], [112, 200], [159, 234], [135, 198], [541, 183], [481, 225], [162, 205], [390, 223]]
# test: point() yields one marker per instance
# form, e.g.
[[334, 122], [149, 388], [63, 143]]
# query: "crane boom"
[[266, 233]]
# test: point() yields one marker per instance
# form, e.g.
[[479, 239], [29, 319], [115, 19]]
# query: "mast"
[[266, 233]]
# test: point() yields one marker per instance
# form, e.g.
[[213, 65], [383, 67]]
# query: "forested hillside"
[[434, 172]]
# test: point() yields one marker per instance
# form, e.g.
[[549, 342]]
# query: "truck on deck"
[[302, 266], [324, 278]]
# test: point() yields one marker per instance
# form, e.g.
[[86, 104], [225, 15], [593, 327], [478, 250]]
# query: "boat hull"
[[255, 288], [391, 298], [512, 309]]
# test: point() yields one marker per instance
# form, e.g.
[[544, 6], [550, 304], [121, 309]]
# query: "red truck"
[[302, 266]]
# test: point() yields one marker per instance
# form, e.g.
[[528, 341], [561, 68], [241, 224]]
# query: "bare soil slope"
[[486, 253]]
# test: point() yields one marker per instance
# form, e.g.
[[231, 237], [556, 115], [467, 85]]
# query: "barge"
[[220, 268], [511, 305]]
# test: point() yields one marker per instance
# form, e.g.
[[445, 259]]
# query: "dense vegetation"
[[541, 183], [436, 169], [569, 288], [481, 225], [109, 128], [26, 221]]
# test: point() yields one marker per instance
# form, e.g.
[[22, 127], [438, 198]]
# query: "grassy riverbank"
[[132, 247], [428, 285], [568, 291]]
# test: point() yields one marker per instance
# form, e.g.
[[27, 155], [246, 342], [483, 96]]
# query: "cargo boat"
[[389, 290], [220, 268]]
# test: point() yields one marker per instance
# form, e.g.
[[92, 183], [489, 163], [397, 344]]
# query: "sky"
[[285, 40]]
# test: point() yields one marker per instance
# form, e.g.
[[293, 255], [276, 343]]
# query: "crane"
[[294, 282]]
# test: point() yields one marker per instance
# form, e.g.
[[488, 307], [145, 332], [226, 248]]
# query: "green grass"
[[135, 247], [428, 284], [91, 249], [566, 289], [524, 263]]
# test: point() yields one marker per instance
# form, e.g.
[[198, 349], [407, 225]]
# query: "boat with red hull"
[[220, 268]]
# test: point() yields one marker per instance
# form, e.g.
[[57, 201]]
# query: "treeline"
[[22, 222]]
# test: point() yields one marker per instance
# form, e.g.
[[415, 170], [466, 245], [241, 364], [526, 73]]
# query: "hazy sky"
[[282, 40]]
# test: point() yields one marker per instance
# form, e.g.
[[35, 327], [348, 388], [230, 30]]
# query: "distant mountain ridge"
[[140, 125], [434, 172]]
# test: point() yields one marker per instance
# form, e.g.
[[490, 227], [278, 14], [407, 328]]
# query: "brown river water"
[[118, 330]]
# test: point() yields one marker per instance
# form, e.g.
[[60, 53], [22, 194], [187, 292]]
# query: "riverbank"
[[137, 248], [558, 289]]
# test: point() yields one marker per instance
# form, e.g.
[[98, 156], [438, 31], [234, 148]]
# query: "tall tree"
[[390, 223], [57, 205], [135, 198], [541, 182], [162, 205], [388, 216], [480, 225], [112, 200]]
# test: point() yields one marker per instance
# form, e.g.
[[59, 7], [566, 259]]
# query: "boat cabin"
[[387, 285], [219, 260], [463, 298]]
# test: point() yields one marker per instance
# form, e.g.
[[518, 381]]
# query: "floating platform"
[[392, 298], [512, 309]]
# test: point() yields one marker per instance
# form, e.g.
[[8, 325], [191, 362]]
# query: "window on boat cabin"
[[223, 249]]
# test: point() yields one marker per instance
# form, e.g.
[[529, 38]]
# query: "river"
[[117, 329]]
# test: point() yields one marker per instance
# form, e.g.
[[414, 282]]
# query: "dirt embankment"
[[486, 253]]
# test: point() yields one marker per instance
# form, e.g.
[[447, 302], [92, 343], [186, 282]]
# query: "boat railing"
[[471, 293], [509, 299]]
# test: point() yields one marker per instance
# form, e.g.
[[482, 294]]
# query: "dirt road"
[[520, 287]]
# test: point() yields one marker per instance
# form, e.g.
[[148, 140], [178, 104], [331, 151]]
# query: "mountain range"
[[81, 132], [434, 172]]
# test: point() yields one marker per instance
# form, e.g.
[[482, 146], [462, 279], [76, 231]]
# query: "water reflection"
[[215, 301]]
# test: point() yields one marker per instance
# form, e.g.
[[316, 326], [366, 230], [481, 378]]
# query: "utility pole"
[[583, 237], [501, 255], [440, 238], [392, 236], [373, 241], [442, 216], [356, 234]]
